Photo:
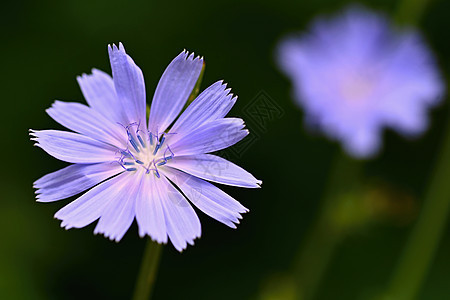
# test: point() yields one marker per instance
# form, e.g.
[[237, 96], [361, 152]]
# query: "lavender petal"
[[208, 198], [216, 169], [72, 147], [173, 90], [72, 180], [149, 210], [129, 84], [211, 136], [87, 121]]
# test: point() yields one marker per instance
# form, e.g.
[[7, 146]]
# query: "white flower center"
[[145, 151]]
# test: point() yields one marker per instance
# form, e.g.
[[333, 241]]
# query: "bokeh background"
[[46, 44]]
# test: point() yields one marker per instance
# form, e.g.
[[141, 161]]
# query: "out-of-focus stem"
[[424, 239], [322, 240], [147, 273]]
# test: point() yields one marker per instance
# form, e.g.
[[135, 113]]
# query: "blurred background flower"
[[355, 74]]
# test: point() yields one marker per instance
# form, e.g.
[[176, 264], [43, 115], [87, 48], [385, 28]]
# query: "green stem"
[[147, 273], [424, 240], [324, 237]]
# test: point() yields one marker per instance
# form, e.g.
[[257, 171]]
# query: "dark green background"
[[46, 44]]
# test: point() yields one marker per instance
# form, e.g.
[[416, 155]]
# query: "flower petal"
[[72, 180], [216, 169], [362, 143], [99, 91], [120, 211], [129, 84], [182, 223], [173, 90], [211, 136], [72, 147], [91, 205], [208, 198], [149, 210], [213, 103], [87, 121]]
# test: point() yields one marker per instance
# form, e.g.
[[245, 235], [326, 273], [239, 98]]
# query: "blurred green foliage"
[[45, 44]]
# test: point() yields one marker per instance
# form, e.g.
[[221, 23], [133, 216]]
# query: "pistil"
[[138, 153]]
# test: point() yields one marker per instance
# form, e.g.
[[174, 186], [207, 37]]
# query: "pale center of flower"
[[356, 88], [146, 151]]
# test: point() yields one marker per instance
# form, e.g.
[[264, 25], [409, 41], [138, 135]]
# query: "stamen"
[[167, 133], [140, 140], [122, 125], [148, 168], [155, 169], [133, 142], [136, 139], [150, 135], [130, 155], [132, 124], [125, 153], [121, 165], [156, 149], [138, 136], [158, 146], [120, 159], [171, 153]]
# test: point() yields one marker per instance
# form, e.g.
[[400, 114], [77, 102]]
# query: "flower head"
[[139, 169], [353, 75]]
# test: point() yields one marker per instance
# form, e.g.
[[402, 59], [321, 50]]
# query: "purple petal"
[[363, 142], [82, 119], [91, 205], [120, 211], [216, 169], [208, 198], [173, 90], [183, 225], [213, 103], [99, 91], [72, 147], [354, 75], [129, 84], [149, 210], [72, 180], [210, 137]]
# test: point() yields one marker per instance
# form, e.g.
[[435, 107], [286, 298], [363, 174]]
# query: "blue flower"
[[144, 171], [354, 75]]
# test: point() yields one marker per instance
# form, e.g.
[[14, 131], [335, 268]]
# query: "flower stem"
[[325, 234], [424, 240], [425, 236], [147, 273]]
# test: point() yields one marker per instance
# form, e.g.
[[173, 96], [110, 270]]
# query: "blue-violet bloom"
[[134, 169], [354, 74]]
